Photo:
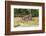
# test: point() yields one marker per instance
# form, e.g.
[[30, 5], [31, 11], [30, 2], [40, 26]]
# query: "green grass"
[[33, 22]]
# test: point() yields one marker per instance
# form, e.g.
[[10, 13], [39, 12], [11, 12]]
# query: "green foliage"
[[35, 12], [22, 12]]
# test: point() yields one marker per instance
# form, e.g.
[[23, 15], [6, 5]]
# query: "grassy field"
[[19, 22]]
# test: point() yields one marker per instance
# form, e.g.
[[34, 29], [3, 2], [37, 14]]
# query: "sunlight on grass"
[[33, 22]]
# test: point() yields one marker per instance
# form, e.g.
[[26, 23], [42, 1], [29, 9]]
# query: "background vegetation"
[[22, 12]]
